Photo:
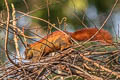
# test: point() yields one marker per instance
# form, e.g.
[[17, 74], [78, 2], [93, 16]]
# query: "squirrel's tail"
[[86, 33]]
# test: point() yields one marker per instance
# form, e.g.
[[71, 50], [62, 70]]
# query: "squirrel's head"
[[28, 52], [34, 52]]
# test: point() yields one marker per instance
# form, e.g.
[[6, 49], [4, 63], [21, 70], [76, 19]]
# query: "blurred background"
[[67, 15]]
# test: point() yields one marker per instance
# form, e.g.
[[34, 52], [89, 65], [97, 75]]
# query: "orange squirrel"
[[60, 41]]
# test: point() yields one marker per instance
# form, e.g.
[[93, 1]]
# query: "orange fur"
[[59, 41], [86, 33], [55, 41]]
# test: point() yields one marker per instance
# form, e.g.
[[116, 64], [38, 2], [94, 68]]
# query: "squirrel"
[[59, 41]]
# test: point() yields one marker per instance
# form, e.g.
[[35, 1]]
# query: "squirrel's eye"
[[28, 54]]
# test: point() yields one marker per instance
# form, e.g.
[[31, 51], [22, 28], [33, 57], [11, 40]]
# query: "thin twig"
[[7, 34], [100, 66], [15, 36]]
